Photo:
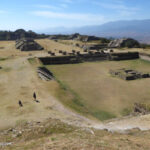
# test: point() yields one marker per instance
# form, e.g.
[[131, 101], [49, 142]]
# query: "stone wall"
[[123, 56], [93, 56], [129, 74], [59, 60], [76, 58]]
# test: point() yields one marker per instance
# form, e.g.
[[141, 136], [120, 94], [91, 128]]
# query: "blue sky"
[[42, 14]]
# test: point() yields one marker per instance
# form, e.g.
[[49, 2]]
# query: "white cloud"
[[70, 16], [48, 7], [58, 7], [118, 6]]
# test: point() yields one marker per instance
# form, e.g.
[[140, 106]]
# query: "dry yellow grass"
[[99, 91], [56, 135], [91, 81], [51, 45], [18, 81], [93, 85], [147, 51]]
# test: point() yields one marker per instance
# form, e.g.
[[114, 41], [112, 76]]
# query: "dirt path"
[[19, 80]]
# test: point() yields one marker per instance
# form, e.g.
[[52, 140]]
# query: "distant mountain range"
[[137, 29]]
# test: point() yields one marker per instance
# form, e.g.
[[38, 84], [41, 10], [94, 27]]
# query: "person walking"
[[34, 96], [20, 103]]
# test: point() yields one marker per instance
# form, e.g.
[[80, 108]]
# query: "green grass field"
[[102, 95]]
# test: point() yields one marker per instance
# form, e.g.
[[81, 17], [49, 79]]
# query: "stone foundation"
[[59, 60], [128, 74], [123, 56]]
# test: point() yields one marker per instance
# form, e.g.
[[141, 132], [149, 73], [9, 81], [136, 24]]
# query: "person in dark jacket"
[[20, 103], [34, 96]]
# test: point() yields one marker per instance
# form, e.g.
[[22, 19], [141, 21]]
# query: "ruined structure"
[[60, 51], [51, 53], [85, 38], [93, 56], [94, 47], [78, 37], [75, 36], [125, 42], [123, 56], [108, 50], [71, 58], [53, 37], [28, 44], [59, 37], [60, 60], [129, 74], [44, 74], [78, 57]]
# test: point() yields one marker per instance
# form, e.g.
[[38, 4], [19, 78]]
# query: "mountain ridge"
[[137, 29]]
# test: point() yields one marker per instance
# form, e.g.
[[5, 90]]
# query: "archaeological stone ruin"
[[94, 47], [123, 56], [45, 74], [59, 60], [28, 44], [78, 57], [125, 42], [129, 74], [92, 51]]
